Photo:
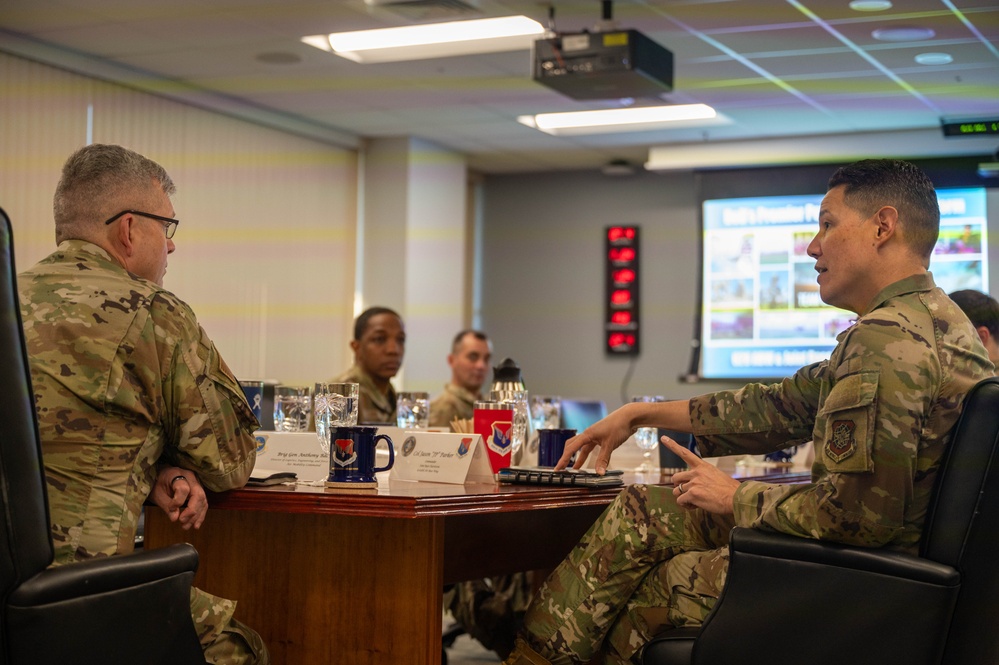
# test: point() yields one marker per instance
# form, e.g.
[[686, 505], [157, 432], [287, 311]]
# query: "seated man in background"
[[379, 345], [489, 610], [880, 412], [983, 310], [128, 387], [469, 359]]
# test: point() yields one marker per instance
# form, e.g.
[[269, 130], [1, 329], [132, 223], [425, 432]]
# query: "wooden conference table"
[[355, 577]]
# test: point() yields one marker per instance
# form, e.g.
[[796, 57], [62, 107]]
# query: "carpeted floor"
[[466, 651]]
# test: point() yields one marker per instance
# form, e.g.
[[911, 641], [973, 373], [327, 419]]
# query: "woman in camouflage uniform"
[[879, 411]]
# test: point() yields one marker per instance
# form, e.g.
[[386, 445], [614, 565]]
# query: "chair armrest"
[[116, 611], [95, 576], [782, 593], [874, 560]]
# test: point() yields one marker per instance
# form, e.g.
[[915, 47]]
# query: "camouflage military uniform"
[[454, 402], [491, 609], [879, 411], [126, 379], [374, 406]]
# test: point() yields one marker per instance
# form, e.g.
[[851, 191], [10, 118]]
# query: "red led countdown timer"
[[621, 297]]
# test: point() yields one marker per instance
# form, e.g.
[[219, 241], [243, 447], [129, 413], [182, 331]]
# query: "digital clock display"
[[971, 128], [621, 329]]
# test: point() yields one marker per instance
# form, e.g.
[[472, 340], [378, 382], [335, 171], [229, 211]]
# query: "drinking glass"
[[517, 399], [546, 411], [645, 438], [292, 405], [412, 410], [335, 405]]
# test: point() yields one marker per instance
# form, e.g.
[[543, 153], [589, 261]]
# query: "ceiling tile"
[[764, 64]]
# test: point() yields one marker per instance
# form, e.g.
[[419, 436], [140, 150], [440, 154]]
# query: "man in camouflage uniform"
[[379, 345], [983, 310], [469, 359], [880, 411], [491, 609], [128, 387]]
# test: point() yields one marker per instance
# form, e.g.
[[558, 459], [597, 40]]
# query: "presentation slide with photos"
[[762, 316]]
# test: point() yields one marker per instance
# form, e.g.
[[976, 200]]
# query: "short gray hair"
[[98, 181]]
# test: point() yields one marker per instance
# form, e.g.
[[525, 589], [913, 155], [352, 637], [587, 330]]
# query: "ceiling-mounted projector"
[[603, 65]]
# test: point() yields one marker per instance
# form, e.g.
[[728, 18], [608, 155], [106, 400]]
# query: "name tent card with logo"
[[296, 452], [442, 457]]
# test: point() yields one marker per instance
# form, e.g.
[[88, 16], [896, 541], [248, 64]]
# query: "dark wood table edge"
[[405, 500]]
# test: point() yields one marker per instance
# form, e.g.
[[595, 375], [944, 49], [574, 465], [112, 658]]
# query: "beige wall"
[[265, 249]]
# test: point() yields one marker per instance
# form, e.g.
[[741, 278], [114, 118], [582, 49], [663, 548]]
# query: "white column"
[[415, 250]]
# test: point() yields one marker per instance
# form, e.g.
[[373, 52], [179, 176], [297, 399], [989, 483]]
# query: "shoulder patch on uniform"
[[843, 443]]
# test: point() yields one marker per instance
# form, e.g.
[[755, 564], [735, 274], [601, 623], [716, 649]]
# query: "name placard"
[[442, 457], [298, 452]]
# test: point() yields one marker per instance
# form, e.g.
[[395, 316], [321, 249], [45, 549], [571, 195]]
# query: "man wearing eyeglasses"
[[132, 397]]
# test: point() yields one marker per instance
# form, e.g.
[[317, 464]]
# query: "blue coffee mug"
[[352, 454], [551, 445]]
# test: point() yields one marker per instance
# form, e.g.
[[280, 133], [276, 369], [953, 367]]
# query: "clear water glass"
[[517, 399], [334, 405], [646, 438], [292, 406], [413, 410], [546, 411]]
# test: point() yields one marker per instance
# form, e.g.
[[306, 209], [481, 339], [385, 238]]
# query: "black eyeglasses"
[[170, 222]]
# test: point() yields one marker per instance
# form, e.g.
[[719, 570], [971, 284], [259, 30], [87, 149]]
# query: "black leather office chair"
[[792, 600], [122, 610]]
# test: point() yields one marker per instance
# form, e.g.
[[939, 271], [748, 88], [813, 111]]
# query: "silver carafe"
[[508, 386], [507, 378]]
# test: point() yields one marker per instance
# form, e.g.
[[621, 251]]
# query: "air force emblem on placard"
[[500, 440], [343, 452], [466, 443], [842, 444]]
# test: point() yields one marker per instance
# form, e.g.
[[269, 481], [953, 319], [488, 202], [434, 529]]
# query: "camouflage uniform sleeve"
[[758, 418], [367, 409], [443, 409], [866, 435], [209, 424]]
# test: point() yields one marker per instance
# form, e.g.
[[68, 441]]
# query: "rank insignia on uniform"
[[466, 443], [343, 452], [500, 441], [842, 444]]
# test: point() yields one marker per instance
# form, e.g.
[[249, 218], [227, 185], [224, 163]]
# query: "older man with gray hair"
[[132, 397]]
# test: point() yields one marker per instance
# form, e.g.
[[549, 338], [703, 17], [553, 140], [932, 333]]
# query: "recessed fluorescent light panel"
[[622, 120], [870, 5], [434, 40], [903, 34], [934, 58]]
